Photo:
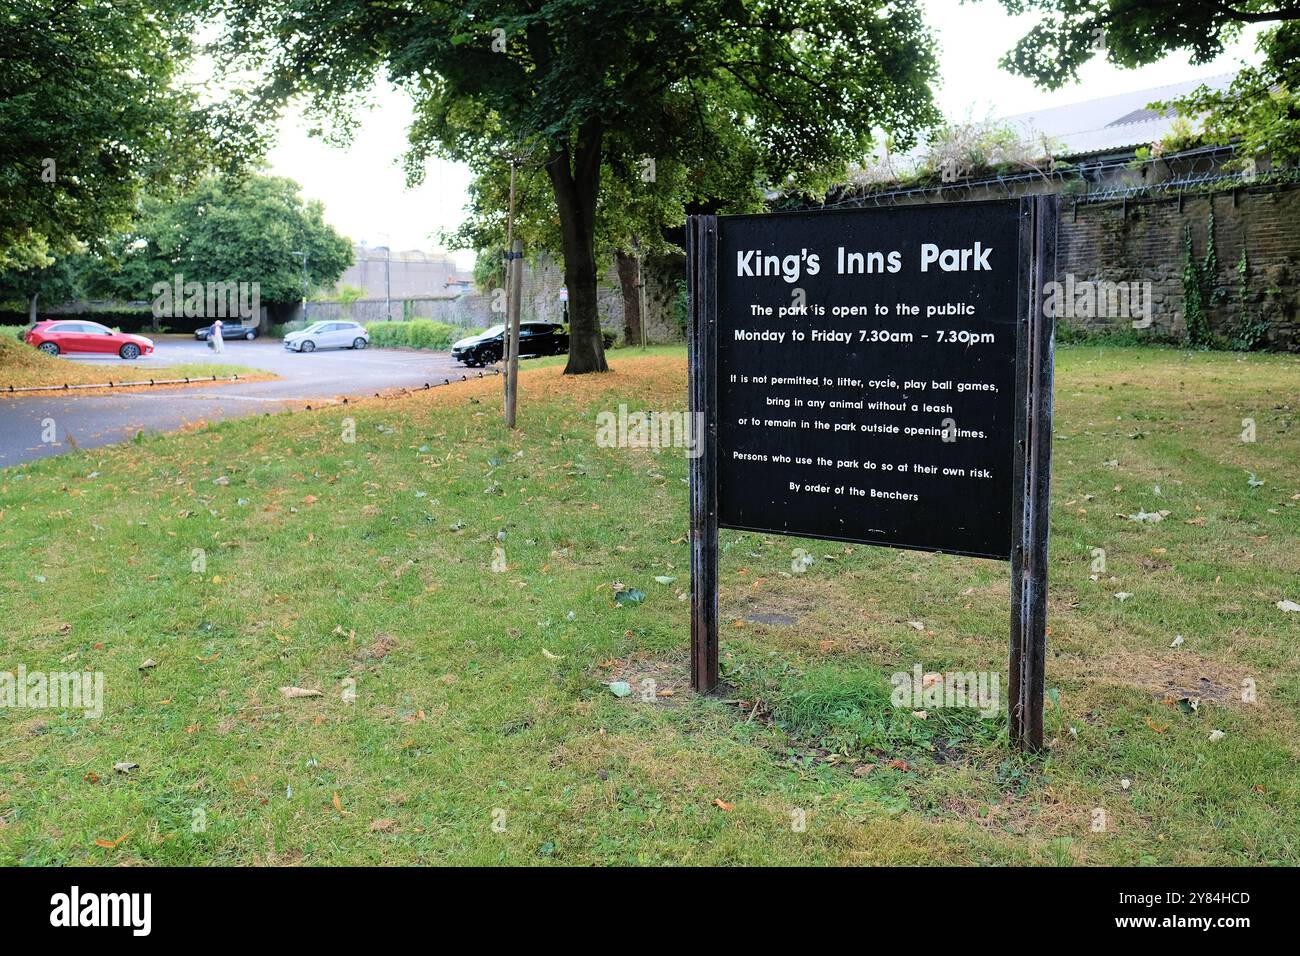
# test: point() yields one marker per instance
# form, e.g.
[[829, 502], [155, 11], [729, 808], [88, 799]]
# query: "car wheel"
[[308, 346], [250, 336], [129, 351], [49, 348], [358, 343]]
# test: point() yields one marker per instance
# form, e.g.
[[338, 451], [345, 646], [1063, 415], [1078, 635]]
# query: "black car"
[[535, 338], [227, 332]]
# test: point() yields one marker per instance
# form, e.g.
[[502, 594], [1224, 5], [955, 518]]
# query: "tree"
[[1261, 107], [245, 229], [804, 83], [55, 283], [89, 113], [641, 209]]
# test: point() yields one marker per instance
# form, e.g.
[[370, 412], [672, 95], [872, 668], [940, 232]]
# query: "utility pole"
[[510, 265], [512, 317]]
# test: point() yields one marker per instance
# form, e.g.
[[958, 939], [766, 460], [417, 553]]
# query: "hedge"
[[416, 334]]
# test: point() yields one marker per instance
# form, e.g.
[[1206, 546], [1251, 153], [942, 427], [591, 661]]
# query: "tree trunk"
[[31, 308], [575, 176], [628, 279]]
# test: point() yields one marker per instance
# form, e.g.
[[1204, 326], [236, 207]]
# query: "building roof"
[[1111, 123]]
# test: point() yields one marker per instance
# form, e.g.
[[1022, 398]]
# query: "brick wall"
[[1143, 241]]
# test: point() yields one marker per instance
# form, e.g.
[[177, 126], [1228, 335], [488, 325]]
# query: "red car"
[[58, 336]]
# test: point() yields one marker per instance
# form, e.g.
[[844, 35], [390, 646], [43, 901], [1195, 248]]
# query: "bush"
[[139, 322], [1121, 336], [283, 329], [415, 334]]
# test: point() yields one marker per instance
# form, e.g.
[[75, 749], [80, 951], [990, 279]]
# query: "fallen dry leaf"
[[291, 693], [722, 804]]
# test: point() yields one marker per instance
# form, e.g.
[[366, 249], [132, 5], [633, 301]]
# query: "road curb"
[[11, 390]]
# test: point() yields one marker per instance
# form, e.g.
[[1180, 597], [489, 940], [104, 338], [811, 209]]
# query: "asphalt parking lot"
[[87, 421]]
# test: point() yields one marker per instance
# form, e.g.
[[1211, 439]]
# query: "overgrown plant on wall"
[[1197, 323], [1200, 288], [1250, 329]]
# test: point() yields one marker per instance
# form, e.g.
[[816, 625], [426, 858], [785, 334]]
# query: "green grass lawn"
[[22, 366], [464, 714]]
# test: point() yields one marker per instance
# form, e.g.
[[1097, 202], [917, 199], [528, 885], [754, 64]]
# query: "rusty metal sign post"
[[862, 337]]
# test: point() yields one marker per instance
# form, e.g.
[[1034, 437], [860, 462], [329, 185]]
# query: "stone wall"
[[1143, 241], [404, 274]]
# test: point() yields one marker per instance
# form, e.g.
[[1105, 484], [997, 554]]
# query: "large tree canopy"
[[802, 84], [90, 112], [248, 229], [1261, 108]]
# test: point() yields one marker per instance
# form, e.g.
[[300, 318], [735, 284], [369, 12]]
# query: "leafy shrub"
[[138, 322], [280, 331], [416, 334], [1249, 330], [1067, 334]]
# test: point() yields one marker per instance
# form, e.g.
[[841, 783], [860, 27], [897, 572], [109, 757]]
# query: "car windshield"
[[315, 327], [495, 330]]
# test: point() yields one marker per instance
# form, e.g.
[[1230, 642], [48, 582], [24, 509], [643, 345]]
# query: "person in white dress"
[[218, 344]]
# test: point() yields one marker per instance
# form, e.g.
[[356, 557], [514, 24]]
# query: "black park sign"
[[880, 376]]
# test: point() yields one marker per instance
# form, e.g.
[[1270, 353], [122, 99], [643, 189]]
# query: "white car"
[[328, 335]]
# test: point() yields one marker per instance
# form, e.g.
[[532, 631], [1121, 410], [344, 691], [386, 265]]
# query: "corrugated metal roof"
[[1109, 123]]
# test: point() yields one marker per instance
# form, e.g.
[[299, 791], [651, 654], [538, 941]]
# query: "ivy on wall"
[[1197, 335], [1250, 329]]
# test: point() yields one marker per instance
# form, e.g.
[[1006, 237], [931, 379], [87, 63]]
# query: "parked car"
[[328, 335], [56, 337], [228, 332], [482, 349], [535, 338]]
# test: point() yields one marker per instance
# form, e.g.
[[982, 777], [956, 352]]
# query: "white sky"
[[365, 195]]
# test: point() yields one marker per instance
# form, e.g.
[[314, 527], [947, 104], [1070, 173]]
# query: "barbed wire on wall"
[[1103, 180]]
